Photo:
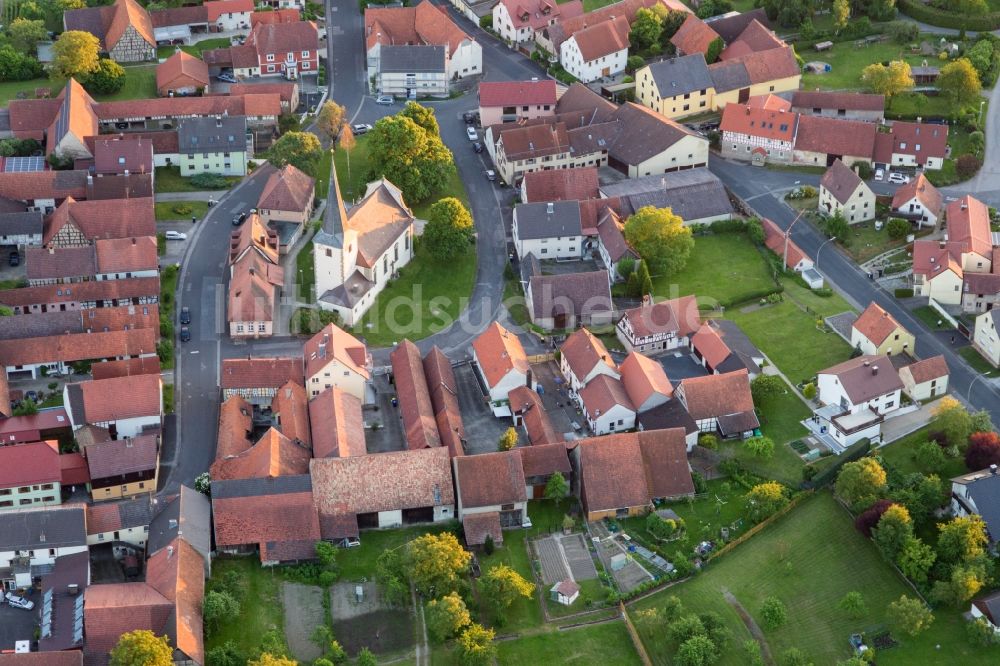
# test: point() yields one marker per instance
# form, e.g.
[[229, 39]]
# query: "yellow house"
[[334, 357], [124, 467], [841, 190], [876, 332]]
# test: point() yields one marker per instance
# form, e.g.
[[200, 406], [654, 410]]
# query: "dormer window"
[[270, 57]]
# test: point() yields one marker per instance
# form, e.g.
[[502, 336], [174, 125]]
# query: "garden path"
[[751, 624]]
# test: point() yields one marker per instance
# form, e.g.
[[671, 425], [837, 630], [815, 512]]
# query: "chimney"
[[170, 552], [172, 523], [874, 370], [73, 589], [550, 208], [867, 363]]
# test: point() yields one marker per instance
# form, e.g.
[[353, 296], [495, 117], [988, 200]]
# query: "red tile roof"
[[928, 369], [73, 470], [694, 36], [257, 105], [545, 459], [905, 138], [126, 255], [841, 181], [128, 13], [180, 70], [281, 38], [78, 347], [123, 456], [253, 289], [103, 517], [277, 16], [290, 408], [178, 573], [774, 239], [75, 116], [149, 365], [268, 373], [602, 393], [217, 8], [104, 219], [643, 377], [537, 14], [849, 101], [876, 324], [273, 455], [490, 479], [27, 464], [110, 610], [835, 136], [528, 404], [235, 427], [968, 224], [931, 257], [770, 103], [81, 292], [758, 122], [422, 24], [118, 154], [866, 377], [754, 38], [264, 519], [64, 658], [583, 351], [923, 191], [560, 184], [604, 39], [717, 395], [444, 398], [498, 352], [334, 343], [287, 189], [678, 315], [477, 526], [414, 399], [117, 398], [517, 93], [338, 427]]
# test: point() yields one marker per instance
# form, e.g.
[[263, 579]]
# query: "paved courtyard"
[[482, 429], [303, 606]]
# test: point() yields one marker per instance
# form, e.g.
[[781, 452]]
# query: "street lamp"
[[968, 392], [788, 233], [822, 245], [982, 103]]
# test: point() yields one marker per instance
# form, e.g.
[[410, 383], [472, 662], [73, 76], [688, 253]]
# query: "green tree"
[[448, 230], [556, 488], [772, 613], [142, 648], [841, 14], [18, 66], [962, 539], [753, 654], [715, 48], [475, 646], [920, 494], [893, 531], [107, 79], [412, 158], [436, 562], [916, 560], [953, 421], [965, 582], [502, 586], [981, 57], [793, 657], [890, 80], [300, 149], [929, 456], [322, 636], [25, 34], [696, 651], [647, 26], [330, 119], [75, 53], [755, 231], [227, 654], [765, 387], [853, 603], [897, 228], [508, 440], [909, 616], [26, 407], [447, 616], [217, 608], [268, 659], [423, 116], [836, 226], [326, 553], [809, 391], [765, 499], [861, 482], [959, 82], [685, 627], [760, 447], [643, 280], [660, 238], [980, 633], [390, 573], [366, 658]]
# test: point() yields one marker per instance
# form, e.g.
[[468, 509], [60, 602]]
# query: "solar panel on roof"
[[24, 164]]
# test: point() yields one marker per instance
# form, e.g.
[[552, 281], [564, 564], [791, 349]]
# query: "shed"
[[565, 592], [618, 561]]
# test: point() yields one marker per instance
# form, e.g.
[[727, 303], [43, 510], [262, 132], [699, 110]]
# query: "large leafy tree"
[[268, 659], [916, 560], [557, 488], [107, 79], [660, 238], [330, 119], [894, 530], [422, 116], [436, 563], [447, 616], [412, 158], [765, 499], [841, 14], [217, 608], [910, 616], [449, 227], [953, 421], [142, 648], [890, 80], [502, 586], [75, 53], [17, 66], [962, 539], [983, 451], [861, 482], [959, 82], [475, 646], [25, 34], [300, 149], [647, 26]]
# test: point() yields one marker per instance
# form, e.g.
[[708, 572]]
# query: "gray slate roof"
[[25, 222], [40, 325], [192, 515], [534, 220], [729, 76], [278, 485], [679, 76], [407, 59], [49, 527], [212, 135], [985, 492], [694, 194]]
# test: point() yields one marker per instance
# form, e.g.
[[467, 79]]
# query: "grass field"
[[607, 644], [195, 49], [721, 267], [866, 242], [356, 563], [261, 611], [524, 614], [976, 360], [931, 317], [306, 279], [140, 83], [169, 179], [847, 62], [323, 177], [165, 210], [901, 456], [424, 299], [809, 560]]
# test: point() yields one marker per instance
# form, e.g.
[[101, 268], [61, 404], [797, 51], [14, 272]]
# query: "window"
[[24, 489], [24, 501], [261, 328], [917, 147], [305, 65], [239, 328], [902, 145], [270, 58], [329, 252], [270, 68], [48, 486], [305, 54]]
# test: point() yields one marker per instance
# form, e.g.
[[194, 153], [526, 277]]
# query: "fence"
[[639, 647], [829, 474], [759, 526], [941, 311]]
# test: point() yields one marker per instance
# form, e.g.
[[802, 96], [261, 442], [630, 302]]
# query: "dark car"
[[185, 315], [14, 258], [238, 219], [469, 117], [478, 147], [32, 396], [185, 334]]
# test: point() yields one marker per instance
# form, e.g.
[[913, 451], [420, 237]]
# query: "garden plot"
[[365, 620], [303, 613]]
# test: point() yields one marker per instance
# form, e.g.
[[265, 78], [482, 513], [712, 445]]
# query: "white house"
[[986, 336], [584, 357], [877, 332], [597, 51], [517, 21], [988, 608], [611, 243], [230, 14], [857, 394], [335, 358], [918, 201], [32, 538], [502, 364], [128, 406], [356, 253], [606, 405], [655, 328], [548, 230], [926, 379], [124, 520], [842, 191], [975, 494], [492, 483], [565, 592], [756, 134]]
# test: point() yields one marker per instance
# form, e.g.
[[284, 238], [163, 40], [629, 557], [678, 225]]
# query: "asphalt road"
[[763, 189]]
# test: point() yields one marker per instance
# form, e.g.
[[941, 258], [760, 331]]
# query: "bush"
[[916, 9], [107, 79], [182, 209], [897, 228], [210, 181], [966, 166], [903, 293], [486, 22], [864, 168], [19, 147]]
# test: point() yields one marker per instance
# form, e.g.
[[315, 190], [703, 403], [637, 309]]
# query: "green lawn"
[[140, 83], [847, 62], [169, 179], [901, 456], [976, 360], [261, 610], [323, 177], [866, 242], [780, 419], [513, 299], [166, 210], [931, 317], [356, 563], [606, 644], [425, 299], [304, 263], [194, 49], [810, 559], [592, 591], [524, 614], [722, 268], [547, 515]]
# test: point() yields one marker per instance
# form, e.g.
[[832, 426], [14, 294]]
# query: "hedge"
[[903, 293], [934, 16], [857, 451], [795, 501]]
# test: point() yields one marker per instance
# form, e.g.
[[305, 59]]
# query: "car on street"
[[14, 259], [227, 77], [470, 117], [879, 175], [185, 315], [19, 602], [384, 99], [185, 334], [238, 219], [478, 147], [491, 175], [361, 128], [32, 396], [898, 178], [471, 133], [175, 235]]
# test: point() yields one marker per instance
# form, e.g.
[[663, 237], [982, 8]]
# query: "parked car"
[[491, 175], [469, 117], [350, 542], [526, 523], [361, 128], [227, 77], [185, 315], [14, 258], [898, 178], [478, 147], [238, 219], [879, 175], [385, 100], [19, 602], [185, 334], [471, 133], [176, 235], [32, 396]]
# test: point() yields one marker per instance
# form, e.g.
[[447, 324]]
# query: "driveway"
[[17, 624]]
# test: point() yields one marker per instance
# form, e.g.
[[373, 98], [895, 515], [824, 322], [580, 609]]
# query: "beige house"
[[876, 332], [941, 266], [334, 357], [676, 87], [925, 379], [842, 191], [985, 337]]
